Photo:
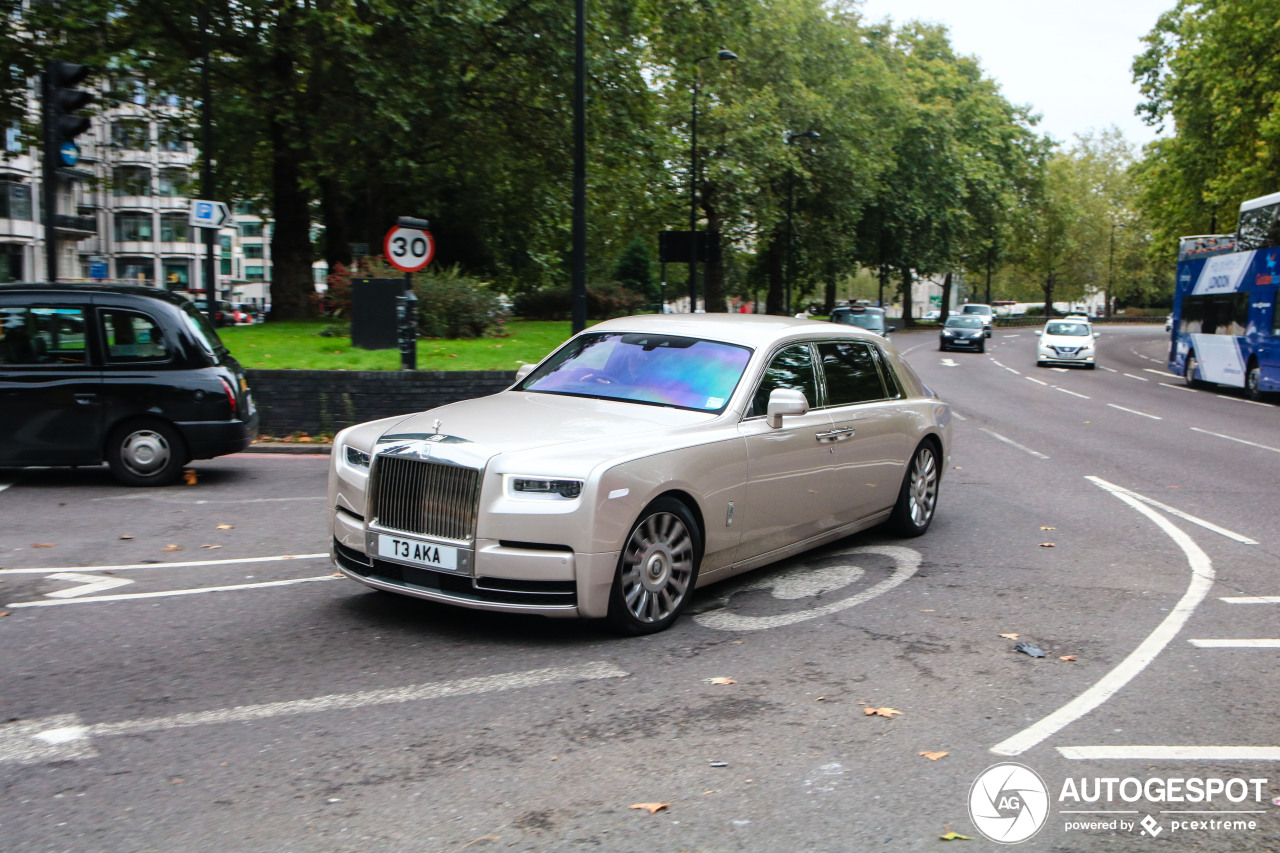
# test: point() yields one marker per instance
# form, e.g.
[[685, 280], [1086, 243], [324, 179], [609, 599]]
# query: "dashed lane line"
[[1202, 577], [1037, 381], [1242, 400], [1135, 412], [1073, 393], [1161, 373], [1139, 378], [1009, 441], [1239, 440], [1177, 387], [1108, 369], [188, 565]]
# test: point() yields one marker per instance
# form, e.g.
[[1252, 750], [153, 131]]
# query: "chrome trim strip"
[[473, 603]]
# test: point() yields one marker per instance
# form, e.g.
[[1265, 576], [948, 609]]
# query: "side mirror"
[[1095, 334], [524, 370], [785, 401]]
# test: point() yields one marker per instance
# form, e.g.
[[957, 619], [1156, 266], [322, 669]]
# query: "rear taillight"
[[231, 395]]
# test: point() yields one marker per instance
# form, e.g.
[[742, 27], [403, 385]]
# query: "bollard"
[[407, 329]]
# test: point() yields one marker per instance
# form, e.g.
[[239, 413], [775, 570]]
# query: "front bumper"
[[1051, 357], [967, 343]]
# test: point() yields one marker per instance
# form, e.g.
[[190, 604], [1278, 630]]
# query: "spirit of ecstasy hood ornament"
[[436, 426]]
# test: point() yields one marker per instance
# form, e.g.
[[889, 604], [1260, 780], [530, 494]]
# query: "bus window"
[[1216, 314]]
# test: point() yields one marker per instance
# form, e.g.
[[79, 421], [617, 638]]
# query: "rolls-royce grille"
[[423, 497]]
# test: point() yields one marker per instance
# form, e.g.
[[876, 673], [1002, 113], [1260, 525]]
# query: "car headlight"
[[357, 457], [948, 334], [538, 488]]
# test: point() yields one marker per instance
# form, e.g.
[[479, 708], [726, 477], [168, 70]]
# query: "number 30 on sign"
[[408, 249]]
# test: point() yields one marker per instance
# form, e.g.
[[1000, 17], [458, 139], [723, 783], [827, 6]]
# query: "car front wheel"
[[657, 569], [918, 497], [146, 453]]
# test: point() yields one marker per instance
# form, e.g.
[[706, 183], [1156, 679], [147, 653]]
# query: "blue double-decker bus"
[[1226, 330]]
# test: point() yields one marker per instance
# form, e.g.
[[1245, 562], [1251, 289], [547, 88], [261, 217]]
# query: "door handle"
[[835, 435], [85, 399]]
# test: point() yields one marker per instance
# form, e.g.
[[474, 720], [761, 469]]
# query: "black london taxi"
[[124, 374]]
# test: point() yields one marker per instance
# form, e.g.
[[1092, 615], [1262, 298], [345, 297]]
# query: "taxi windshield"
[[655, 369]]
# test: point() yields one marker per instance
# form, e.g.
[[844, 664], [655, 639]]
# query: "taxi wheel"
[[657, 569], [146, 453]]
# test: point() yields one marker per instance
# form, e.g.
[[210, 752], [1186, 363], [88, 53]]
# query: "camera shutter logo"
[[1008, 803]]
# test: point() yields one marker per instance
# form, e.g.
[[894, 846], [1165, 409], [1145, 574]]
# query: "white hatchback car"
[[645, 457], [1067, 342]]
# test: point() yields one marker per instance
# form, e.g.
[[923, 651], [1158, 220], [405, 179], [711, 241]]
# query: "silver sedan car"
[[644, 458]]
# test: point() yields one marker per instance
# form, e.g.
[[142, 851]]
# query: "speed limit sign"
[[408, 249]]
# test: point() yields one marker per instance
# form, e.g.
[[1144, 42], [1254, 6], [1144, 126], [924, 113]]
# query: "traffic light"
[[61, 100]]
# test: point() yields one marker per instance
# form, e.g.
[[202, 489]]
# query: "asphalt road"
[[182, 670]]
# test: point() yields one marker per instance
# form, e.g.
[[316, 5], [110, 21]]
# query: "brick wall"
[[325, 401]]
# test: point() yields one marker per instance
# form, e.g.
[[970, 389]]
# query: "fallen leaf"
[[339, 574], [721, 680], [189, 476], [820, 699], [225, 527], [1047, 545], [955, 836], [652, 808], [926, 611], [881, 712], [210, 546], [1010, 636], [933, 756], [171, 548], [1048, 528], [5, 613], [125, 536], [1067, 657], [43, 545], [736, 643], [304, 438]]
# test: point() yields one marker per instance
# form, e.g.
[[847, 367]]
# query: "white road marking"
[[169, 593], [1242, 400], [1233, 438], [64, 737], [1252, 599], [1060, 369], [1179, 387], [185, 502], [1207, 525], [1177, 753], [1161, 373], [1134, 412], [1139, 378], [1201, 581], [1073, 393], [90, 583], [1012, 443], [1110, 369], [801, 581], [1037, 381], [1235, 644], [949, 362], [958, 416], [133, 566], [1011, 370]]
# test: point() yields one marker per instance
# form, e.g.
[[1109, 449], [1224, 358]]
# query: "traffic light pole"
[[59, 101], [49, 185]]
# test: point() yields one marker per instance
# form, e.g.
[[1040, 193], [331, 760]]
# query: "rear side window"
[[851, 373], [131, 337], [31, 335], [202, 329]]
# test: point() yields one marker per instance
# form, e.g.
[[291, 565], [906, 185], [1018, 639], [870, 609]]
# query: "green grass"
[[297, 345]]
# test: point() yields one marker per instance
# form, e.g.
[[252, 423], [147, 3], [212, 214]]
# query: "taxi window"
[[131, 337], [35, 335], [851, 373], [791, 368]]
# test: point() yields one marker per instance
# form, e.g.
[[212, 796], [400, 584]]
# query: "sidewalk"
[[301, 448]]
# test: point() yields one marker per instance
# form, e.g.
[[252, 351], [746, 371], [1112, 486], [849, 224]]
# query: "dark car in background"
[[128, 375], [963, 331], [862, 317]]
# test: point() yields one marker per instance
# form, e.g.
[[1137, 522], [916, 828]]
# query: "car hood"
[[1066, 340]]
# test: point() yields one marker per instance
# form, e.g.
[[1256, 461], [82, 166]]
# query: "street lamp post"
[[791, 192], [724, 55], [1111, 258]]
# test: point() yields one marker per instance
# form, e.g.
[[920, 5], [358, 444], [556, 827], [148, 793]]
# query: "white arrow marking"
[[64, 737], [950, 362], [92, 583]]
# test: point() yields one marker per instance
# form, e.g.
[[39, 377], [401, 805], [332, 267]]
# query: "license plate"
[[417, 552]]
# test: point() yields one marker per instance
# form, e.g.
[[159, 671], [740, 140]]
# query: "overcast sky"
[[1070, 61]]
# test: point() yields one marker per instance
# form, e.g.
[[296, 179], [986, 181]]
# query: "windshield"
[[661, 370], [863, 320], [976, 309], [202, 329], [964, 323], [1067, 329]]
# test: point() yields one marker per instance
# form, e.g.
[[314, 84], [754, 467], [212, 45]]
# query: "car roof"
[[91, 288], [751, 330]]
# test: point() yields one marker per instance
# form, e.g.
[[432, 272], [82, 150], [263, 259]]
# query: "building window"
[[251, 229], [135, 269], [173, 182], [224, 240], [253, 273], [225, 266], [130, 180], [174, 228], [133, 227], [13, 139], [177, 275], [245, 207], [133, 134], [10, 263], [253, 250], [15, 201], [172, 136]]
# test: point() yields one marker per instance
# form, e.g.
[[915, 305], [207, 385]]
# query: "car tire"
[[918, 496], [1091, 366], [146, 453], [1189, 375], [1039, 363], [982, 346], [1253, 384], [942, 347], [657, 569]]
